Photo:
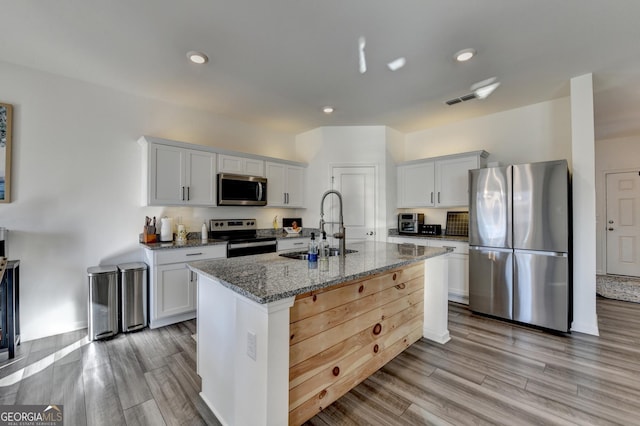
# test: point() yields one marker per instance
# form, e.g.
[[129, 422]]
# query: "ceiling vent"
[[462, 98], [480, 90]]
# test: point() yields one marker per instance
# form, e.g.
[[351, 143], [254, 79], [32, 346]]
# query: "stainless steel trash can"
[[103, 301], [133, 296]]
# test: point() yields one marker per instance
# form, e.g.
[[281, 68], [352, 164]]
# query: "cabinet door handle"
[[194, 254], [284, 198], [188, 193], [438, 197], [431, 197], [183, 193]]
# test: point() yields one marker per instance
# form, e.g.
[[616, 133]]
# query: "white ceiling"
[[276, 63]]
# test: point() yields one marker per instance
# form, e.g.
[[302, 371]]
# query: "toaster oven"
[[409, 223]]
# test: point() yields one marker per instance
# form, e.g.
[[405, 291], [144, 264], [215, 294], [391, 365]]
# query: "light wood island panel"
[[341, 335]]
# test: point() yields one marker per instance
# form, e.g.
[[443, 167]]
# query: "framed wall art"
[[6, 112]]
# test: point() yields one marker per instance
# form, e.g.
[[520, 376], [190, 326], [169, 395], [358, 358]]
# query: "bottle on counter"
[[323, 253], [313, 252], [204, 232]]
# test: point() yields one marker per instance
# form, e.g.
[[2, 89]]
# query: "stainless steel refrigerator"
[[519, 243]]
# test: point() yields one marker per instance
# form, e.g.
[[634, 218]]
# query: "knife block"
[[149, 235]]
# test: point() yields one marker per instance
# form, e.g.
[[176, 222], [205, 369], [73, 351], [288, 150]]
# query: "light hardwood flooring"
[[491, 372]]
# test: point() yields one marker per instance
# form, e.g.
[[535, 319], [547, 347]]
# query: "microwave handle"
[[259, 191]]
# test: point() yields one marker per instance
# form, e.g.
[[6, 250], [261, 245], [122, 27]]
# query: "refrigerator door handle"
[[543, 253]]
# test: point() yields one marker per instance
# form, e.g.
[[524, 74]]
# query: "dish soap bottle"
[[312, 254], [275, 223], [323, 253], [205, 234]]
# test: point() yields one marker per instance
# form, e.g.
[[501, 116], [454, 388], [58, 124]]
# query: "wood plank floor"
[[491, 372]]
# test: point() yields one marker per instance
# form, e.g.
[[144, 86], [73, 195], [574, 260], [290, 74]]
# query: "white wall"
[[325, 147], [622, 154], [584, 205], [538, 132], [76, 184]]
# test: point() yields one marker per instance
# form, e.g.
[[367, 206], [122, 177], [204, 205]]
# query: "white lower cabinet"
[[458, 269], [172, 286], [458, 264], [176, 290]]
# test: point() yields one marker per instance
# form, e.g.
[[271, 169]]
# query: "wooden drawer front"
[[191, 254], [359, 327], [312, 303]]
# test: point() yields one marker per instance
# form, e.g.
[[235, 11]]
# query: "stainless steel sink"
[[303, 255]]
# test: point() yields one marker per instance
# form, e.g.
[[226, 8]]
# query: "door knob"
[[610, 221], [610, 229], [371, 233]]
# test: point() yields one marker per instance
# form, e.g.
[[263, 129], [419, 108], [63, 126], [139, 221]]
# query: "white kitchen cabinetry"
[[412, 194], [180, 176], [240, 165], [285, 185], [458, 286], [458, 269], [172, 286], [438, 182], [300, 243]]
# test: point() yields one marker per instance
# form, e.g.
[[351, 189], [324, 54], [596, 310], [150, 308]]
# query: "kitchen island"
[[278, 341]]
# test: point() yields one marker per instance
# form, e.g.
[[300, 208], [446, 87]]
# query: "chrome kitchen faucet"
[[341, 234]]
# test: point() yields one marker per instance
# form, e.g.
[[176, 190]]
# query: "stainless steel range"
[[242, 237]]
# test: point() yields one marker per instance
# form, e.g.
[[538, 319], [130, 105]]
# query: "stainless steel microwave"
[[240, 190]]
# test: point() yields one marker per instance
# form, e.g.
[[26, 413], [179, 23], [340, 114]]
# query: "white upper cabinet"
[[438, 182], [412, 194], [452, 180], [182, 174], [179, 176], [201, 178], [285, 185], [240, 165]]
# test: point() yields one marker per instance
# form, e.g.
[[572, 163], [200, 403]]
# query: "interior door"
[[623, 223], [357, 184]]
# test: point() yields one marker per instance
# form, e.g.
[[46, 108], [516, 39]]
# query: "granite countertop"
[[269, 277], [194, 240], [465, 238], [435, 237]]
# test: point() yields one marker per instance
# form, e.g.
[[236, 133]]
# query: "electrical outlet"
[[252, 345]]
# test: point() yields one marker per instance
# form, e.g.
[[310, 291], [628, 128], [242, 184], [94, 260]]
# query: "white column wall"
[[584, 206]]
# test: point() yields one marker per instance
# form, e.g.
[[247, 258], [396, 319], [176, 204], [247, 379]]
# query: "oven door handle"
[[247, 245]]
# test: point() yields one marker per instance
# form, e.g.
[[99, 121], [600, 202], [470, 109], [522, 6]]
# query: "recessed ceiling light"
[[464, 55], [197, 57], [327, 109], [395, 65]]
